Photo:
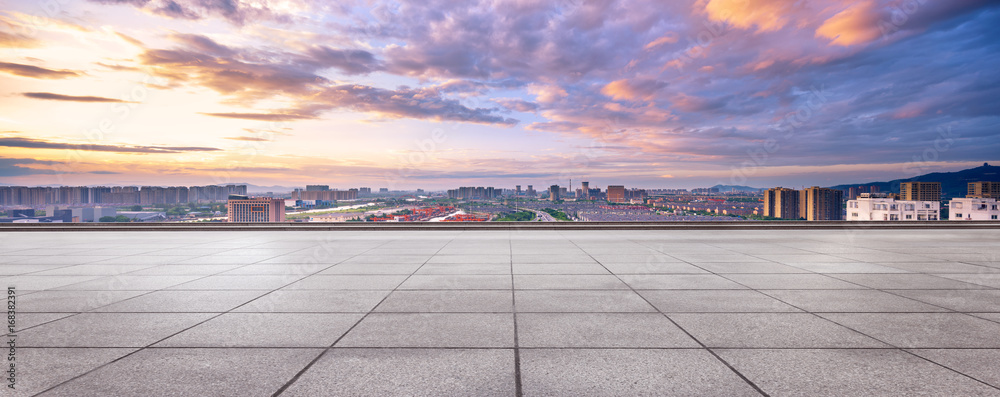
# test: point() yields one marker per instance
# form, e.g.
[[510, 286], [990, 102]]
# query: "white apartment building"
[[973, 209], [878, 207]]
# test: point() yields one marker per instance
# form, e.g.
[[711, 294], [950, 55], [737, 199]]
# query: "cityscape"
[[913, 201]]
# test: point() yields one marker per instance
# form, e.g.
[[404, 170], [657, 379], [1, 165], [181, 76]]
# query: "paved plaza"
[[506, 313]]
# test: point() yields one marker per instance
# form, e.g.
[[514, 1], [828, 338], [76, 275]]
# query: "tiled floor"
[[478, 313]]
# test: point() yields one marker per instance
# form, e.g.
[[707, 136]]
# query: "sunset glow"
[[439, 94]]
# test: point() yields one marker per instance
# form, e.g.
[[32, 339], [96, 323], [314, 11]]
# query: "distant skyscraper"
[[616, 194], [984, 190], [821, 204], [365, 190], [553, 192], [383, 190], [585, 190], [517, 190], [781, 203], [317, 188], [257, 209], [920, 191], [530, 192], [325, 195], [852, 192]]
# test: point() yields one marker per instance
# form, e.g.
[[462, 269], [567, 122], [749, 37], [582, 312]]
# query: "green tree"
[[135, 208], [122, 218], [107, 219]]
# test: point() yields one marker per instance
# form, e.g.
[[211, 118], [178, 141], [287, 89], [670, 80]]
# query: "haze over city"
[[418, 95]]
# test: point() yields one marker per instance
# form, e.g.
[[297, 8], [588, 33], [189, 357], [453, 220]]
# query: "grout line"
[[897, 348], [301, 372], [171, 335], [699, 342], [518, 383]]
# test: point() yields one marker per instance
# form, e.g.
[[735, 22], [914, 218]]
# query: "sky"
[[436, 94]]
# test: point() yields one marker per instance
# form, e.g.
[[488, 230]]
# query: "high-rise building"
[[920, 191], [553, 192], [325, 195], [517, 190], [383, 190], [584, 191], [530, 192], [616, 194], [365, 190], [821, 204], [257, 209], [470, 192], [781, 203], [852, 192], [984, 190], [317, 188]]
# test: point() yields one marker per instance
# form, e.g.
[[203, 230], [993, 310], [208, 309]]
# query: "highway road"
[[542, 216]]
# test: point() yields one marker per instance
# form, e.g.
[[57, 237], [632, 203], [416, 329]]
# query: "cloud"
[[518, 105], [593, 70], [405, 102], [36, 72], [248, 138], [10, 40], [348, 61], [856, 25], [669, 38], [765, 15], [237, 12], [119, 68], [57, 97], [250, 75], [173, 9], [10, 167], [263, 116], [43, 144], [644, 89], [129, 39], [202, 44]]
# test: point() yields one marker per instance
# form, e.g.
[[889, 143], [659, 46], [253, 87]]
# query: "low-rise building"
[[143, 216], [338, 217], [257, 209], [85, 214], [973, 209], [879, 207]]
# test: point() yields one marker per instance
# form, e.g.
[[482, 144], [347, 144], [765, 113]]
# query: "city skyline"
[[404, 95]]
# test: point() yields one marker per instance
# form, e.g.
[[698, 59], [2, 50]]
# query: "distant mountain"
[[953, 184], [730, 188]]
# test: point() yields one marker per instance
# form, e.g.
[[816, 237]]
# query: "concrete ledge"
[[446, 226]]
